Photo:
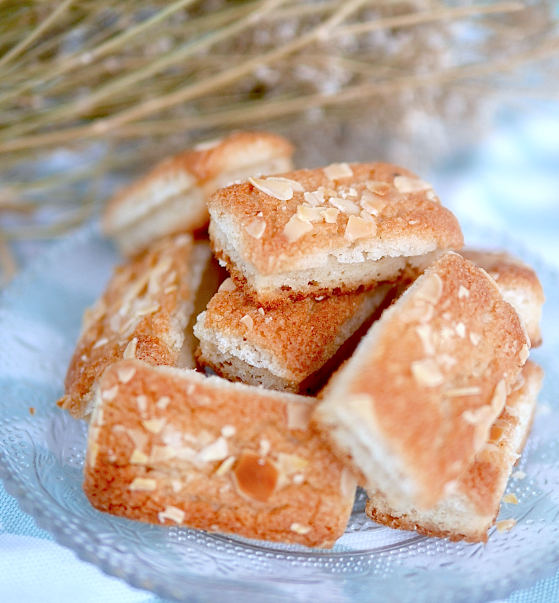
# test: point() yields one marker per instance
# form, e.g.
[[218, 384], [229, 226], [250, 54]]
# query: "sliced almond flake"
[[92, 452], [294, 184], [357, 228], [460, 329], [319, 195], [173, 513], [139, 438], [170, 289], [150, 309], [367, 216], [154, 425], [352, 192], [345, 205], [142, 403], [299, 528], [430, 289], [424, 333], [228, 431], [505, 525], [475, 338], [335, 171], [330, 215], [432, 196], [138, 457], [309, 214], [463, 292], [226, 466], [100, 342], [291, 463], [264, 447], [378, 187], [296, 228], [403, 184], [228, 285], [519, 475], [524, 353], [427, 373], [247, 321], [298, 415], [130, 351], [176, 485], [511, 499], [110, 394], [261, 311], [255, 228], [499, 398], [216, 451], [161, 454], [462, 391], [311, 199], [125, 373], [146, 484], [163, 402], [276, 189], [371, 204]]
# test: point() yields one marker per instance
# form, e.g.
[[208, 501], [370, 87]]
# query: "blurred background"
[[92, 93]]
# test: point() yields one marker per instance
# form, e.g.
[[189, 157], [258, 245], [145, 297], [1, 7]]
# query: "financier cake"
[[174, 447], [519, 285], [336, 229], [415, 403], [172, 197], [142, 314], [283, 348], [472, 503]]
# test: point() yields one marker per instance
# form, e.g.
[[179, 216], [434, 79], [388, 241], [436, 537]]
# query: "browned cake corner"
[[172, 197], [472, 503], [174, 447], [142, 313], [519, 285], [335, 229], [283, 348], [416, 401]]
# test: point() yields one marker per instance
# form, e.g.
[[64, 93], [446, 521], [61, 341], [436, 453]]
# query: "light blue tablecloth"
[[511, 182]]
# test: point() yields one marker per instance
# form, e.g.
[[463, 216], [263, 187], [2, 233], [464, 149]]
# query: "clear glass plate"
[[41, 458]]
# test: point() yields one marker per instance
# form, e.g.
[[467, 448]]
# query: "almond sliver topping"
[[296, 186], [309, 214], [277, 189], [411, 185], [330, 215], [345, 205], [296, 228], [427, 373], [379, 188], [255, 228], [335, 171], [358, 228]]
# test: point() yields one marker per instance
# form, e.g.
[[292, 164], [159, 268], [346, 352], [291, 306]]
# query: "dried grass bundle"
[[90, 90]]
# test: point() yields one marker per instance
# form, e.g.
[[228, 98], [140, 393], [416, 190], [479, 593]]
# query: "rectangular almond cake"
[[174, 447], [471, 504]]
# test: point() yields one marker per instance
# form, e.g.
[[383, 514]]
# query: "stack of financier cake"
[[347, 276]]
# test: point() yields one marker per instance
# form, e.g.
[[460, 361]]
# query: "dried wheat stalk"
[[92, 89]]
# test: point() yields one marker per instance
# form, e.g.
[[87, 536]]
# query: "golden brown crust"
[[518, 283], [405, 224], [146, 306], [472, 507], [426, 382], [216, 456], [197, 167], [292, 340]]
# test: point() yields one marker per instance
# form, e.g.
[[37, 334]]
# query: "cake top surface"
[[379, 209]]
